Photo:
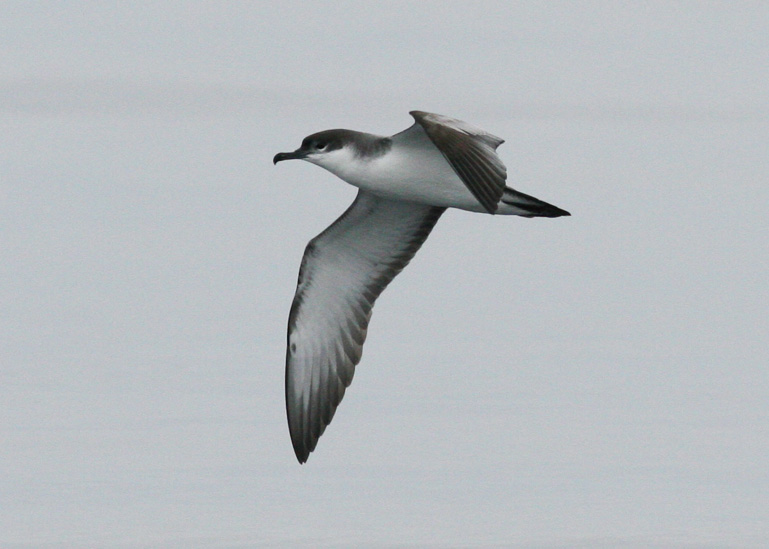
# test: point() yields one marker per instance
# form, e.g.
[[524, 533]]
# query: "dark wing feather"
[[343, 271], [471, 153]]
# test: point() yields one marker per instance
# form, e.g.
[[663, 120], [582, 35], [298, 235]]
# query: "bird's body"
[[406, 182], [400, 174]]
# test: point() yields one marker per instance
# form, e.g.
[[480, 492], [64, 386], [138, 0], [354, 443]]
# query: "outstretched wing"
[[471, 153], [343, 271]]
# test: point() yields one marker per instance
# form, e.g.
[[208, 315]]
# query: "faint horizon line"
[[55, 97]]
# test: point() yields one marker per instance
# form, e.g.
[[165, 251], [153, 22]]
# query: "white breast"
[[412, 169]]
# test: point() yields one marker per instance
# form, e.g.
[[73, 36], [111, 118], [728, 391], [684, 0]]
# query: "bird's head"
[[326, 149], [342, 152]]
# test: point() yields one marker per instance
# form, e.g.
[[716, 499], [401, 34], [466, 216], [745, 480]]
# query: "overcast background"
[[600, 380]]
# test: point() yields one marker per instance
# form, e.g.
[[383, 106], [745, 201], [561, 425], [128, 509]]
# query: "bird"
[[405, 182]]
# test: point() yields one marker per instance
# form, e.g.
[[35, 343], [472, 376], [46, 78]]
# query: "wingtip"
[[301, 455], [302, 448]]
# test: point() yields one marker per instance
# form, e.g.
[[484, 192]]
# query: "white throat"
[[343, 163]]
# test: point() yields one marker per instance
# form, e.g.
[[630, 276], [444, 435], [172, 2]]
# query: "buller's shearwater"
[[405, 183]]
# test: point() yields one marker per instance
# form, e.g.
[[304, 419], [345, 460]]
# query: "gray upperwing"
[[343, 271], [471, 152]]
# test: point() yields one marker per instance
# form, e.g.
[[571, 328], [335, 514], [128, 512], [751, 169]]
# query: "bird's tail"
[[517, 203]]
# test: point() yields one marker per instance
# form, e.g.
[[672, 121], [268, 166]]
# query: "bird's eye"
[[320, 145]]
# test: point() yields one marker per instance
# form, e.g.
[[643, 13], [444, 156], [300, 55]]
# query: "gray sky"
[[594, 381]]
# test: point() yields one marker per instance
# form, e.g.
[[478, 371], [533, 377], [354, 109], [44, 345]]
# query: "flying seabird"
[[405, 183]]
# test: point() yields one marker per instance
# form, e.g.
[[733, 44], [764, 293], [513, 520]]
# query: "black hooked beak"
[[296, 155]]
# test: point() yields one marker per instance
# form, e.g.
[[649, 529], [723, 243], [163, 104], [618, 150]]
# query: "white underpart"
[[413, 170]]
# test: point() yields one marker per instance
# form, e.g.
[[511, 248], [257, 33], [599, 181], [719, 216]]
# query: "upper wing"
[[471, 152], [343, 271]]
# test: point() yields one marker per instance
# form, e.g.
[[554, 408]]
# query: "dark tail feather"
[[527, 206]]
